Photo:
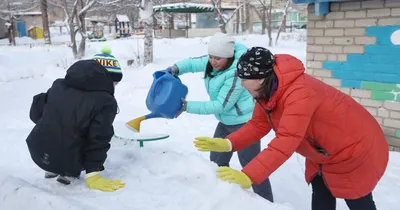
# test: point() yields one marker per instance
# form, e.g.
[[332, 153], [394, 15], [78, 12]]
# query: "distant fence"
[[36, 44]]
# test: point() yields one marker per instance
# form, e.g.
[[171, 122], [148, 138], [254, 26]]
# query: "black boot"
[[50, 175], [66, 179]]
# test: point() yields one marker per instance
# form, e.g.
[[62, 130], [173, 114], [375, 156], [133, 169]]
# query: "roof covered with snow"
[[184, 8], [27, 13], [122, 18], [33, 27]]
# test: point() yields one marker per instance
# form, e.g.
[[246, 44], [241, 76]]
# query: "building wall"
[[356, 49], [3, 28], [32, 20], [206, 20]]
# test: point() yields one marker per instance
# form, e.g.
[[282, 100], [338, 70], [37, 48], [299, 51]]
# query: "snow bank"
[[16, 194]]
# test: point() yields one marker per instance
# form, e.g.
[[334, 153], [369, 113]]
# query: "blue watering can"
[[163, 99]]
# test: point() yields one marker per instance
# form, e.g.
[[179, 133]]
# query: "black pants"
[[245, 156], [322, 198]]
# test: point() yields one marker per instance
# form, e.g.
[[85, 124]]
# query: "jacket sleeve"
[[99, 136], [192, 65], [227, 97], [37, 107], [255, 129], [299, 107]]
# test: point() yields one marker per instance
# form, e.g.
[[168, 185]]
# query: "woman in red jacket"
[[345, 149]]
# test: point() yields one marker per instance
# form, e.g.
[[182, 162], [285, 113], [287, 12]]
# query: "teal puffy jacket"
[[231, 103]]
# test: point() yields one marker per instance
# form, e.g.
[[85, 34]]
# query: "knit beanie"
[[256, 63], [221, 45], [110, 63]]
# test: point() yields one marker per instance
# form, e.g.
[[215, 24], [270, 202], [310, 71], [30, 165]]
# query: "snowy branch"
[[263, 4], [257, 12], [223, 17], [110, 3], [74, 10], [286, 7], [87, 7], [234, 11]]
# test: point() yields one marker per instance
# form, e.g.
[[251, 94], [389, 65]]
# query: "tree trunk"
[[12, 32], [269, 14], [82, 45], [82, 48], [219, 15], [263, 21], [249, 24], [46, 32], [73, 41], [148, 32], [148, 41], [283, 24], [222, 26], [237, 19], [171, 22], [281, 28]]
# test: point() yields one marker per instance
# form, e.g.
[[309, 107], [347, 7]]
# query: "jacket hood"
[[89, 75], [287, 69], [240, 49]]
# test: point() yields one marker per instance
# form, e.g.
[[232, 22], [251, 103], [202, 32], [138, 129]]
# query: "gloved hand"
[[183, 108], [173, 70], [234, 176], [206, 144], [95, 181]]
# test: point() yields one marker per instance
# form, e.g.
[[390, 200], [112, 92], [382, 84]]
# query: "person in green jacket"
[[230, 103]]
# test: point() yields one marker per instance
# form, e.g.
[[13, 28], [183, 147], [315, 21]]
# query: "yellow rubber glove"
[[234, 176], [95, 181], [206, 144]]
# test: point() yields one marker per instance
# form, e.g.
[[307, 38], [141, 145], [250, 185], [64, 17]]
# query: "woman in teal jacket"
[[230, 103]]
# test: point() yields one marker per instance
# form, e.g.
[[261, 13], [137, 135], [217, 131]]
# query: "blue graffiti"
[[379, 63]]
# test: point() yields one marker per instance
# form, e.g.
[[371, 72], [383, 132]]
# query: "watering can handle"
[[156, 87]]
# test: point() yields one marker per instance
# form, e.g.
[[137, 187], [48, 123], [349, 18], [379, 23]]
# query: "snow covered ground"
[[168, 174]]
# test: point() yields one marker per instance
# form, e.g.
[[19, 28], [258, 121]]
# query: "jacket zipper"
[[270, 120]]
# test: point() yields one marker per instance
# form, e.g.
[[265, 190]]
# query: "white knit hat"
[[221, 45]]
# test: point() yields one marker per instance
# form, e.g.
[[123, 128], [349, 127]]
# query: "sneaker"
[[66, 179], [49, 175]]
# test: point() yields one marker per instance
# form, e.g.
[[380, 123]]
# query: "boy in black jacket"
[[74, 122]]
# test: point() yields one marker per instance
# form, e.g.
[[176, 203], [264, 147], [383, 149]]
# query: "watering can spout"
[[135, 123]]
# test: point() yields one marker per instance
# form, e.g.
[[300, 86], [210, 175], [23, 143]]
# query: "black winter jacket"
[[74, 121]]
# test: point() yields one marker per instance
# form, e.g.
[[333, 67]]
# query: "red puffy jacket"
[[338, 137]]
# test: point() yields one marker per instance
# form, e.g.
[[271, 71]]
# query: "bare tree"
[[223, 19], [75, 12], [283, 24], [266, 13], [146, 14]]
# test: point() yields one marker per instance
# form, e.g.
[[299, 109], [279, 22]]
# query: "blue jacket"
[[231, 103]]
